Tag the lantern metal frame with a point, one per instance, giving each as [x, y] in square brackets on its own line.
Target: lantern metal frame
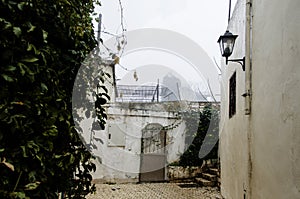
[226, 51]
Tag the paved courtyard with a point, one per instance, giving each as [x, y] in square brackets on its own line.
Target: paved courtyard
[153, 191]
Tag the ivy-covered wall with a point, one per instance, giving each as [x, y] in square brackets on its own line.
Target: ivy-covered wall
[202, 130]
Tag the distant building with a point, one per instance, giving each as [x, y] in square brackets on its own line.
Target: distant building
[143, 133]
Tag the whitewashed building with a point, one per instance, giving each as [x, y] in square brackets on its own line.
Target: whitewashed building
[260, 109]
[139, 139]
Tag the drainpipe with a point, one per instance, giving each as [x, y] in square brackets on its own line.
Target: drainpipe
[248, 89]
[248, 67]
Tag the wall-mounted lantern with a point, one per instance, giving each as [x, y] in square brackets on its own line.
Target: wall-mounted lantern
[226, 43]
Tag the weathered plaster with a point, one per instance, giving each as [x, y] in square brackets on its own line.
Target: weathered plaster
[233, 132]
[123, 163]
[274, 121]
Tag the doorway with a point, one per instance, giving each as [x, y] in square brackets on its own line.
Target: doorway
[153, 155]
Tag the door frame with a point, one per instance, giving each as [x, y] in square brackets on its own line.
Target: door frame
[164, 154]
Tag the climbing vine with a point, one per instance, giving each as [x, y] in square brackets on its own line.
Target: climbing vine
[174, 125]
[199, 125]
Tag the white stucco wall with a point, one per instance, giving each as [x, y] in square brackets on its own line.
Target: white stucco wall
[276, 94]
[267, 163]
[233, 131]
[122, 163]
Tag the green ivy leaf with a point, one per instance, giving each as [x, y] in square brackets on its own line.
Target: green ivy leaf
[12, 2]
[22, 71]
[7, 24]
[32, 186]
[72, 159]
[8, 165]
[10, 68]
[45, 35]
[19, 195]
[21, 5]
[44, 87]
[30, 47]
[31, 27]
[17, 31]
[7, 78]
[29, 59]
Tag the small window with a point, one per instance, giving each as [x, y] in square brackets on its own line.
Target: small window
[232, 95]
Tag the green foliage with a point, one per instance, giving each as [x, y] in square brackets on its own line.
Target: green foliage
[89, 96]
[199, 124]
[42, 45]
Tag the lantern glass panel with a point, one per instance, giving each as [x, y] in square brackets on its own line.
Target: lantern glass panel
[226, 43]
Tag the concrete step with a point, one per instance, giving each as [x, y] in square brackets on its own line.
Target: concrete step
[210, 177]
[188, 185]
[204, 182]
[214, 171]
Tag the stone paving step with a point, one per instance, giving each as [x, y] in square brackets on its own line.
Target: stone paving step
[205, 182]
[210, 177]
[188, 185]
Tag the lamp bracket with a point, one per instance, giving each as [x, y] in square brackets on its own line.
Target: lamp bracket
[240, 61]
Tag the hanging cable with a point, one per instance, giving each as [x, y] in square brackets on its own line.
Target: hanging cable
[229, 13]
[99, 29]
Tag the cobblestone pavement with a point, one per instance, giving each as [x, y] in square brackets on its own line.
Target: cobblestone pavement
[153, 191]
